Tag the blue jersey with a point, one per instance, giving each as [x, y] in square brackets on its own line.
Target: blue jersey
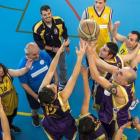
[37, 72]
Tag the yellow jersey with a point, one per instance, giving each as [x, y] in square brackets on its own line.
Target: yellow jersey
[8, 95]
[103, 21]
[123, 51]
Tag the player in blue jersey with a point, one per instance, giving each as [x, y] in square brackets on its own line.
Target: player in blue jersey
[32, 80]
[58, 121]
[89, 126]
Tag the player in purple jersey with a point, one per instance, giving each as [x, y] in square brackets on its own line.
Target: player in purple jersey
[117, 95]
[89, 126]
[128, 45]
[109, 53]
[58, 121]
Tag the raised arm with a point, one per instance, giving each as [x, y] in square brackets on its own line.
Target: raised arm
[85, 106]
[115, 33]
[135, 61]
[99, 62]
[4, 124]
[132, 55]
[120, 131]
[84, 15]
[110, 30]
[111, 88]
[22, 71]
[66, 92]
[52, 68]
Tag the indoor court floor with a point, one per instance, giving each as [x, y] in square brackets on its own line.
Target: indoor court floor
[16, 20]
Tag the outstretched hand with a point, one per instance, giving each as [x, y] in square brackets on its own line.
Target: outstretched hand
[126, 125]
[29, 63]
[81, 52]
[91, 48]
[65, 43]
[84, 71]
[116, 24]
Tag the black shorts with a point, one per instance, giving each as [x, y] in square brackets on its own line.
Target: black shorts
[34, 104]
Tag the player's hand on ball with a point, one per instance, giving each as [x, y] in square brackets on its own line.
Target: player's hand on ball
[91, 48]
[116, 24]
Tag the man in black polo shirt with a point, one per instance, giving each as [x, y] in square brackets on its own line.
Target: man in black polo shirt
[48, 34]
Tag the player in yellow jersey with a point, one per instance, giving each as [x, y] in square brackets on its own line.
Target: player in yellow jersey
[128, 46]
[103, 16]
[9, 98]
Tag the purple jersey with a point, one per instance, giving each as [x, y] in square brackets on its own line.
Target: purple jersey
[97, 90]
[58, 119]
[99, 132]
[110, 110]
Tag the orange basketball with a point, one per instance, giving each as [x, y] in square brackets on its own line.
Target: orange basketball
[88, 30]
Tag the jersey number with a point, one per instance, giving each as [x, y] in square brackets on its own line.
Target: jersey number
[50, 110]
[3, 89]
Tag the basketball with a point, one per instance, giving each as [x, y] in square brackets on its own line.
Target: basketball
[88, 30]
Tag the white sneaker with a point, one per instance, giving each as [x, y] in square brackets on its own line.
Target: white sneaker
[134, 104]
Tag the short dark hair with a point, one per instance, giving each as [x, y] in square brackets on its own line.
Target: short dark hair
[5, 70]
[113, 48]
[46, 95]
[136, 33]
[86, 127]
[45, 8]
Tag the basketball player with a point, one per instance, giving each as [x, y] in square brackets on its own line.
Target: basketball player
[109, 53]
[128, 46]
[9, 97]
[58, 121]
[103, 16]
[117, 95]
[89, 126]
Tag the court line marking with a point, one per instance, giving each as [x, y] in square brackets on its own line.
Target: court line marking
[17, 29]
[11, 8]
[41, 116]
[20, 21]
[73, 10]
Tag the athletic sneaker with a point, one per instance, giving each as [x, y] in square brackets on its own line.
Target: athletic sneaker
[15, 129]
[12, 137]
[35, 120]
[134, 104]
[62, 85]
